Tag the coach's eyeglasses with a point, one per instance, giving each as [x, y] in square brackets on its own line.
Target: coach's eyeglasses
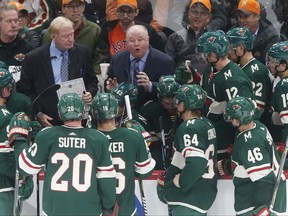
[199, 13]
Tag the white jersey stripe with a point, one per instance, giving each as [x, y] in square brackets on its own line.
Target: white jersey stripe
[27, 165]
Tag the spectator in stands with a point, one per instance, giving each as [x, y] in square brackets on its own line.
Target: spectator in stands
[140, 65]
[220, 19]
[85, 32]
[40, 14]
[113, 35]
[30, 36]
[95, 11]
[181, 44]
[45, 66]
[12, 47]
[264, 33]
[280, 8]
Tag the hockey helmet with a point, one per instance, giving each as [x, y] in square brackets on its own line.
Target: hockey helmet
[240, 35]
[192, 95]
[70, 107]
[213, 42]
[278, 53]
[6, 78]
[104, 106]
[240, 108]
[167, 87]
[123, 89]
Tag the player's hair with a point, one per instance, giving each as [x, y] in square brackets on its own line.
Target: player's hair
[59, 23]
[6, 7]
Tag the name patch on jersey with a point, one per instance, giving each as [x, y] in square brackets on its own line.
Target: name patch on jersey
[211, 134]
[116, 147]
[72, 142]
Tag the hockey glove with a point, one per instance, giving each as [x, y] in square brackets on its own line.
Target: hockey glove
[187, 74]
[139, 128]
[18, 128]
[280, 147]
[160, 186]
[35, 128]
[224, 168]
[26, 188]
[262, 211]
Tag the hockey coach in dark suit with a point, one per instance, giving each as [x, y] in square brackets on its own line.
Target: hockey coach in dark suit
[140, 64]
[54, 63]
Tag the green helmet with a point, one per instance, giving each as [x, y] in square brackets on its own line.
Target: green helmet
[104, 106]
[123, 89]
[167, 87]
[213, 42]
[70, 107]
[279, 52]
[240, 108]
[6, 79]
[240, 35]
[192, 95]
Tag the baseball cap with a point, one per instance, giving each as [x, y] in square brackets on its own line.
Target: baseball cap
[248, 6]
[18, 5]
[64, 2]
[130, 3]
[206, 3]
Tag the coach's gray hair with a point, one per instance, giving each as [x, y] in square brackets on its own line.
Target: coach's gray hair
[59, 23]
[6, 7]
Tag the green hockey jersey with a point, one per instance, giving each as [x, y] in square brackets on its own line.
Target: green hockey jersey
[131, 157]
[7, 161]
[195, 160]
[255, 164]
[261, 83]
[79, 174]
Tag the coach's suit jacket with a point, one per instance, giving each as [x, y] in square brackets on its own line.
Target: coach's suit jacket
[157, 65]
[37, 75]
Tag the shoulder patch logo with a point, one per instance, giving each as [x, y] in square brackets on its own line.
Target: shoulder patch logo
[2, 74]
[19, 57]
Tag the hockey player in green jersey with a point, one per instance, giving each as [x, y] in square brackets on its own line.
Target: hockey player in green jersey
[138, 121]
[222, 80]
[162, 110]
[241, 45]
[79, 174]
[255, 162]
[277, 61]
[190, 186]
[129, 151]
[7, 162]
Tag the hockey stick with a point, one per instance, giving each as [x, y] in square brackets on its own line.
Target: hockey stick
[17, 201]
[142, 194]
[164, 155]
[279, 174]
[51, 89]
[162, 133]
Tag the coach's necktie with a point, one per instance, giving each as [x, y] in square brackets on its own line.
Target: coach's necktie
[64, 67]
[136, 70]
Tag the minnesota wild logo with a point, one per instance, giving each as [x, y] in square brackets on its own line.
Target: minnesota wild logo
[2, 74]
[241, 32]
[236, 107]
[211, 39]
[19, 57]
[284, 48]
